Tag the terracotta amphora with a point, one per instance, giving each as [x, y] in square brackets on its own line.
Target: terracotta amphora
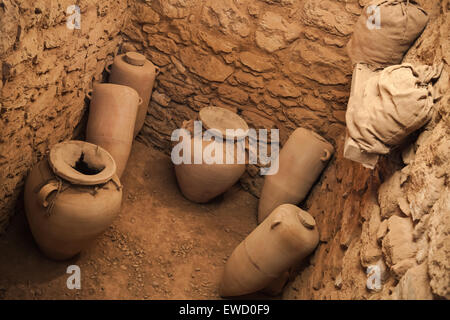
[134, 70]
[301, 160]
[281, 241]
[201, 182]
[71, 197]
[112, 115]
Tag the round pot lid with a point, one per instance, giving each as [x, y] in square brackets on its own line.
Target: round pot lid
[135, 58]
[306, 219]
[219, 120]
[82, 162]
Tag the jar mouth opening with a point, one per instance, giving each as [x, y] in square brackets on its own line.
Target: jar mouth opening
[82, 163]
[87, 168]
[218, 120]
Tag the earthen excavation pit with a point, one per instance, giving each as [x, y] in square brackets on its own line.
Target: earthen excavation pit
[278, 64]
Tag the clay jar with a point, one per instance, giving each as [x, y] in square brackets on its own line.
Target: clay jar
[301, 160]
[71, 198]
[287, 236]
[134, 70]
[112, 115]
[202, 182]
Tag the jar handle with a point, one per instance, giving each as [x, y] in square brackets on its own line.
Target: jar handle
[108, 67]
[326, 156]
[275, 224]
[247, 151]
[89, 94]
[115, 179]
[140, 101]
[45, 192]
[157, 70]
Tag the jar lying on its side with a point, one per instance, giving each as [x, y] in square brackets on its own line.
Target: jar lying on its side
[281, 241]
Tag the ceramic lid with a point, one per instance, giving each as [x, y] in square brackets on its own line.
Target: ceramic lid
[220, 119]
[82, 162]
[135, 58]
[306, 219]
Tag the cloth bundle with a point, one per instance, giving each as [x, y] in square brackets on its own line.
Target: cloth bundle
[385, 107]
[385, 31]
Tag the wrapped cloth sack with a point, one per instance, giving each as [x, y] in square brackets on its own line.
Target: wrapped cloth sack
[385, 31]
[385, 107]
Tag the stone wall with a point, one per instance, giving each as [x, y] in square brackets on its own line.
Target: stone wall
[402, 226]
[282, 64]
[45, 72]
[279, 64]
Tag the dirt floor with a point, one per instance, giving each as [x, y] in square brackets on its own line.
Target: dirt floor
[162, 246]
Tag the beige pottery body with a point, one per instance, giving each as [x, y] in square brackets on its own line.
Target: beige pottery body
[65, 217]
[203, 182]
[112, 116]
[301, 160]
[281, 241]
[133, 70]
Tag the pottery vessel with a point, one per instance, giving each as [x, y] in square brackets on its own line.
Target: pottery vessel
[281, 241]
[112, 116]
[71, 197]
[276, 287]
[134, 70]
[301, 160]
[201, 182]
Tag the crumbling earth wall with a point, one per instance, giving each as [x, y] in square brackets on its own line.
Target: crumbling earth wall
[45, 71]
[279, 64]
[400, 228]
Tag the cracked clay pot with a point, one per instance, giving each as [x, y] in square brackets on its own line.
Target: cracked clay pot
[71, 197]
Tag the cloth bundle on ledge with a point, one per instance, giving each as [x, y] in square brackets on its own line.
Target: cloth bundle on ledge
[385, 106]
[385, 31]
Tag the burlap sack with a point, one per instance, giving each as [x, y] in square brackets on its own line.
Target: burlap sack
[382, 37]
[385, 107]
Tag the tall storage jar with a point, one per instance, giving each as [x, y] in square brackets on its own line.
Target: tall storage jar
[284, 239]
[301, 160]
[112, 116]
[134, 70]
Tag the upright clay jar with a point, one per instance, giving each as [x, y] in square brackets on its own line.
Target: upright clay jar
[71, 198]
[287, 236]
[301, 160]
[201, 182]
[112, 116]
[134, 70]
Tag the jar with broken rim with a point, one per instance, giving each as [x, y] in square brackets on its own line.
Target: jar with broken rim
[71, 197]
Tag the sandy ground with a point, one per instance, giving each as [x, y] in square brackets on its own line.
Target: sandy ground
[162, 246]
